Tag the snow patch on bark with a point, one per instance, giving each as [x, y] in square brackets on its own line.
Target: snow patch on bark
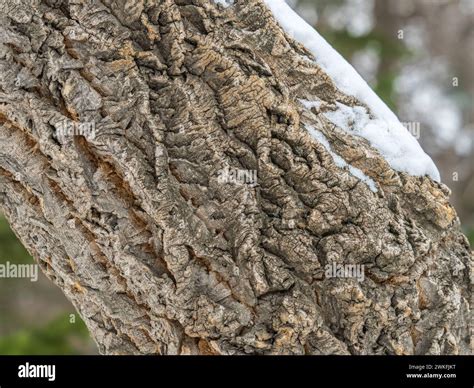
[339, 161]
[224, 3]
[390, 138]
[381, 128]
[310, 104]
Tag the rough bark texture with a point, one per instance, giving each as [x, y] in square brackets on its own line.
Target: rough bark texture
[156, 253]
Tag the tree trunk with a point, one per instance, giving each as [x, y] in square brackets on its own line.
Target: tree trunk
[152, 224]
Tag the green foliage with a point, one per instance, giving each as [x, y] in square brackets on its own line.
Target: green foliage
[58, 337]
[10, 248]
[347, 45]
[470, 235]
[390, 50]
[385, 88]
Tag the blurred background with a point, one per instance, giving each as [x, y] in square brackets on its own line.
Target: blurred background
[35, 317]
[418, 55]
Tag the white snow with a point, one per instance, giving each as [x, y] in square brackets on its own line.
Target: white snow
[224, 3]
[391, 138]
[310, 104]
[339, 161]
[382, 128]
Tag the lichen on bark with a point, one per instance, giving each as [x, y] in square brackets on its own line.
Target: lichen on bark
[157, 253]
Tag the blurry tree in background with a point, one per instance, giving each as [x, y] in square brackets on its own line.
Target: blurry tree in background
[418, 55]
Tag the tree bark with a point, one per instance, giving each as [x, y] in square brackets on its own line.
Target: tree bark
[161, 256]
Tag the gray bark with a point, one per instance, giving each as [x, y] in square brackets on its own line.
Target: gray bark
[160, 256]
